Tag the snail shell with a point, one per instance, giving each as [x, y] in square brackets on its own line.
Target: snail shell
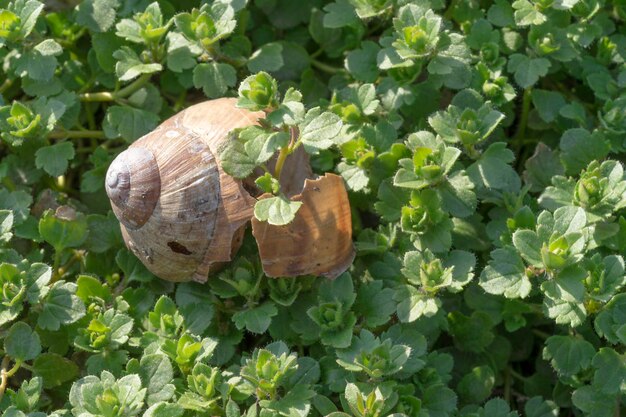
[180, 214]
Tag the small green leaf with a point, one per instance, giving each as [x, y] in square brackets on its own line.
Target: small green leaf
[129, 66]
[22, 343]
[54, 159]
[54, 369]
[97, 15]
[526, 70]
[568, 355]
[128, 123]
[61, 306]
[320, 129]
[256, 319]
[214, 78]
[64, 228]
[277, 211]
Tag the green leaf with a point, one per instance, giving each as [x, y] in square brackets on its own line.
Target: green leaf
[413, 304]
[458, 196]
[63, 229]
[129, 66]
[54, 369]
[541, 167]
[214, 78]
[579, 147]
[277, 211]
[526, 13]
[538, 407]
[256, 319]
[505, 274]
[181, 53]
[439, 401]
[609, 323]
[267, 58]
[61, 306]
[471, 333]
[156, 373]
[22, 343]
[321, 129]
[6, 225]
[253, 147]
[374, 304]
[54, 159]
[97, 15]
[610, 371]
[594, 403]
[476, 386]
[526, 70]
[528, 243]
[548, 104]
[493, 171]
[133, 269]
[164, 410]
[128, 123]
[568, 355]
[361, 63]
[339, 14]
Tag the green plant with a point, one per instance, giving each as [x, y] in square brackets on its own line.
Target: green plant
[482, 147]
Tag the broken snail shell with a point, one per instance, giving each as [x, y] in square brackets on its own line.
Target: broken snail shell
[183, 216]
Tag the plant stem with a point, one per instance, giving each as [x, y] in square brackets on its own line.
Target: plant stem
[542, 335]
[134, 86]
[518, 138]
[5, 375]
[76, 134]
[102, 96]
[325, 67]
[5, 85]
[285, 152]
[517, 375]
[55, 266]
[507, 385]
[280, 161]
[119, 94]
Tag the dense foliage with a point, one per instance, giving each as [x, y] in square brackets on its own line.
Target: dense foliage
[481, 144]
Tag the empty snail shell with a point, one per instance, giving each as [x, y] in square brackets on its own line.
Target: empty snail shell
[179, 212]
[182, 215]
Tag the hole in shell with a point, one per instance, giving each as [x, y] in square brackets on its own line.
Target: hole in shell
[178, 248]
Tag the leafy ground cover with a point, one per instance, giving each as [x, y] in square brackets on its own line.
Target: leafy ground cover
[481, 144]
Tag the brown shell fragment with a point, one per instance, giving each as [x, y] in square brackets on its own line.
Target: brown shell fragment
[318, 241]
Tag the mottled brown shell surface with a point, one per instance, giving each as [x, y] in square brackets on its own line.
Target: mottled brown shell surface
[318, 241]
[195, 220]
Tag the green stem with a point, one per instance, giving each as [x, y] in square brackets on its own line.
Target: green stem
[517, 375]
[285, 152]
[280, 161]
[93, 97]
[119, 94]
[134, 86]
[518, 138]
[5, 375]
[325, 67]
[507, 385]
[5, 85]
[55, 266]
[77, 134]
[542, 335]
